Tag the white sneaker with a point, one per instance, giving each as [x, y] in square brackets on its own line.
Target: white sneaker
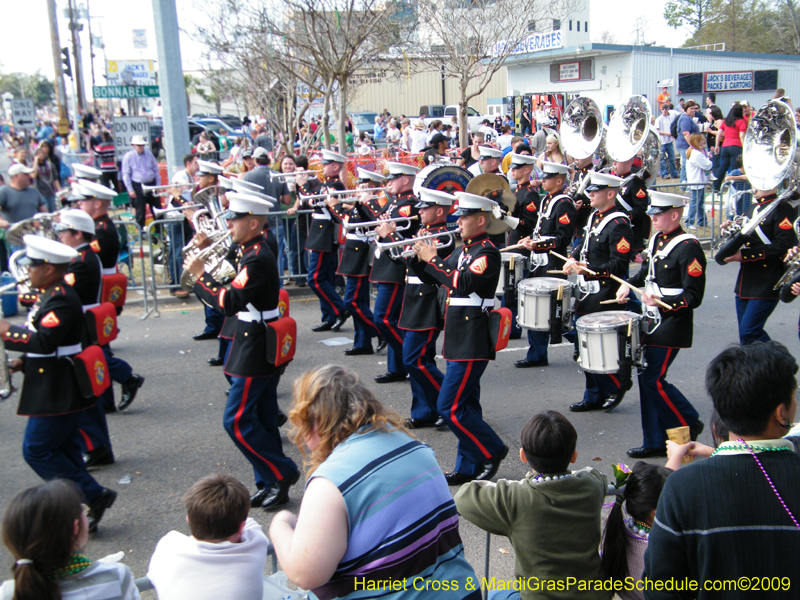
[692, 227]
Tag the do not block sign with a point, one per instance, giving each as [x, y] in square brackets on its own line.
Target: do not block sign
[124, 130]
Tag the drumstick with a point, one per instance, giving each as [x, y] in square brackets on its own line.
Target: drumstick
[514, 247]
[565, 259]
[638, 291]
[612, 301]
[556, 271]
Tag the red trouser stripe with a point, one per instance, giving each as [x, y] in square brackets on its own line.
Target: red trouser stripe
[663, 393]
[616, 381]
[392, 330]
[238, 431]
[422, 367]
[357, 308]
[87, 440]
[455, 406]
[318, 290]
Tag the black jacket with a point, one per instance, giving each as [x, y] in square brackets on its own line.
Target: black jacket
[420, 310]
[684, 268]
[51, 386]
[472, 269]
[355, 257]
[558, 221]
[635, 195]
[527, 211]
[256, 285]
[106, 242]
[321, 228]
[384, 269]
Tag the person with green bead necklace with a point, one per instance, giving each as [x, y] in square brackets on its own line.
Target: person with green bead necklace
[46, 529]
[736, 516]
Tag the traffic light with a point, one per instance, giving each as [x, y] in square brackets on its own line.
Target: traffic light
[66, 67]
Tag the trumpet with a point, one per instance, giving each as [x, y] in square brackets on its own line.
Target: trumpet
[159, 213]
[286, 176]
[323, 197]
[367, 228]
[395, 248]
[158, 189]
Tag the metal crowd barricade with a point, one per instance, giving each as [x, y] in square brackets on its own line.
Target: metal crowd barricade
[166, 238]
[292, 240]
[729, 188]
[714, 218]
[129, 235]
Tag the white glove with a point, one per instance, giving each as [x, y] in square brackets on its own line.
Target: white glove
[498, 212]
[512, 221]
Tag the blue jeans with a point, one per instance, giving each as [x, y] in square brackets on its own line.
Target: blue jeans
[668, 158]
[296, 240]
[251, 420]
[752, 315]
[727, 162]
[682, 152]
[697, 211]
[176, 244]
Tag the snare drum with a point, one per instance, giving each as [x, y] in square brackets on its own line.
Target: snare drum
[538, 304]
[607, 338]
[542, 258]
[513, 266]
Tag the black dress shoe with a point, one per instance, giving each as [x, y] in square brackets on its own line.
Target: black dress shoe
[215, 362]
[489, 467]
[109, 407]
[584, 407]
[456, 478]
[642, 452]
[695, 429]
[358, 351]
[381, 343]
[129, 389]
[324, 326]
[340, 320]
[99, 457]
[526, 364]
[441, 424]
[614, 400]
[258, 497]
[227, 392]
[205, 335]
[282, 418]
[278, 493]
[413, 423]
[390, 377]
[98, 507]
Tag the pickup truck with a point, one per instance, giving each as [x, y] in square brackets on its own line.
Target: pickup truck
[444, 113]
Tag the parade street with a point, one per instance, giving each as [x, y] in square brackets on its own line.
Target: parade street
[172, 434]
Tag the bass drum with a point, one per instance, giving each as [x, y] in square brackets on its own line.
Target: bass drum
[443, 178]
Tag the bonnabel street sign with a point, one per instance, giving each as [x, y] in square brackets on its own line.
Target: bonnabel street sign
[125, 91]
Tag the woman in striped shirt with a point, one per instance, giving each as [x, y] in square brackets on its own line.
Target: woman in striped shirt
[378, 519]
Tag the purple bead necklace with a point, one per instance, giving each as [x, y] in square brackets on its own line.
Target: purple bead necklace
[769, 480]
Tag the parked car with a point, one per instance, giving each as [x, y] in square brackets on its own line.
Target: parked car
[217, 125]
[445, 113]
[362, 121]
[195, 128]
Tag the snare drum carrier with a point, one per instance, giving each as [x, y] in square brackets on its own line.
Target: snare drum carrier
[585, 287]
[541, 259]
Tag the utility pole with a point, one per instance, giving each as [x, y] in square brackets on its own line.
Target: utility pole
[91, 44]
[61, 90]
[170, 83]
[75, 27]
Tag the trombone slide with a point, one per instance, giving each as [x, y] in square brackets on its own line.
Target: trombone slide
[150, 189]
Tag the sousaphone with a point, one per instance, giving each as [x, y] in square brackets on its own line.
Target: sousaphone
[498, 189]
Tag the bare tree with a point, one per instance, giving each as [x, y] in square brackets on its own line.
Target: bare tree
[606, 37]
[470, 40]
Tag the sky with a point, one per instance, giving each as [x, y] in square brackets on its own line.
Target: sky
[22, 51]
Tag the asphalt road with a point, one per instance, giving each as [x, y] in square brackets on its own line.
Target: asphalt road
[172, 434]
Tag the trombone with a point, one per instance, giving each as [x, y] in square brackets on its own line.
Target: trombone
[159, 213]
[395, 248]
[160, 189]
[367, 228]
[285, 176]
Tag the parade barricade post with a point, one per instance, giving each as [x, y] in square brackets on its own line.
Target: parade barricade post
[130, 232]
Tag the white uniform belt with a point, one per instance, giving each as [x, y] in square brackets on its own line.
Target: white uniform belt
[61, 351]
[321, 216]
[110, 271]
[90, 306]
[472, 300]
[413, 280]
[253, 315]
[671, 291]
[359, 238]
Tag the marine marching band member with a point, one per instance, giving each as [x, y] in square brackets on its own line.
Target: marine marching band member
[95, 201]
[355, 263]
[470, 275]
[251, 413]
[556, 220]
[675, 272]
[321, 243]
[606, 249]
[762, 266]
[633, 199]
[420, 317]
[490, 161]
[51, 397]
[389, 275]
[85, 274]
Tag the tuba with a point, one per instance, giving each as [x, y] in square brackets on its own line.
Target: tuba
[629, 129]
[39, 224]
[582, 129]
[770, 157]
[214, 257]
[208, 219]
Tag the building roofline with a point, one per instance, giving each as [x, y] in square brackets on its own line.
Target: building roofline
[587, 48]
